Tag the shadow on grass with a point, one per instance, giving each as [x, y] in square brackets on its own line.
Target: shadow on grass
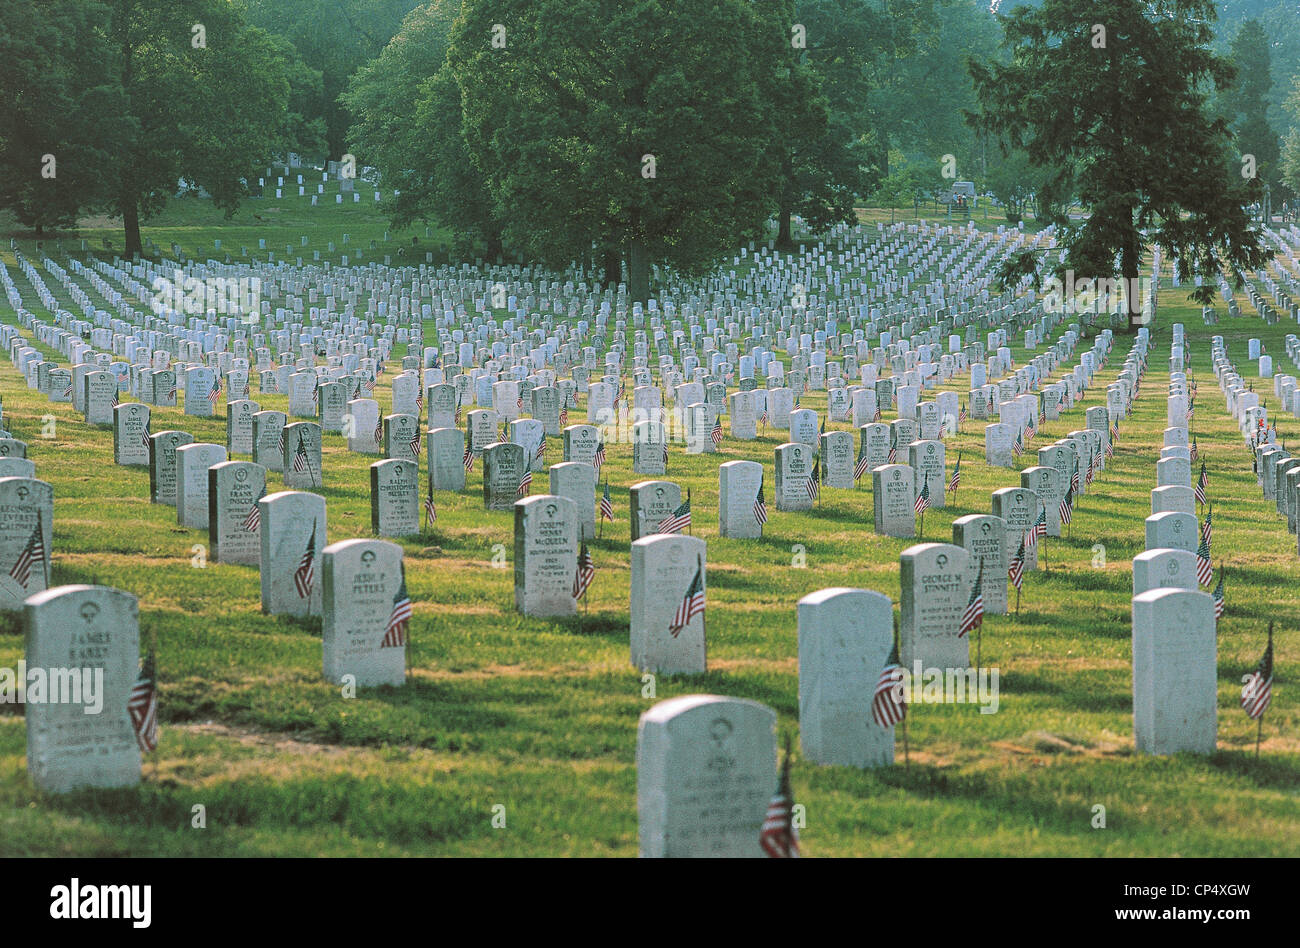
[310, 624]
[1082, 691]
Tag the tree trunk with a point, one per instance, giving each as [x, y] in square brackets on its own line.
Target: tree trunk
[131, 226]
[1130, 269]
[784, 241]
[638, 271]
[492, 237]
[613, 265]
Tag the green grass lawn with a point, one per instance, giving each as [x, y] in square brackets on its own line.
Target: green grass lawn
[540, 716]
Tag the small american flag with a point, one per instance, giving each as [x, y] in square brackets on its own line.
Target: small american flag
[540, 454]
[564, 415]
[779, 838]
[300, 461]
[973, 617]
[142, 706]
[1074, 476]
[716, 434]
[692, 603]
[1110, 449]
[457, 421]
[519, 403]
[955, 481]
[468, 459]
[762, 419]
[760, 504]
[585, 574]
[860, 469]
[1067, 507]
[1040, 525]
[305, 575]
[814, 485]
[419, 404]
[116, 398]
[67, 392]
[1016, 571]
[1202, 482]
[430, 509]
[171, 392]
[1092, 469]
[1195, 451]
[877, 415]
[1030, 430]
[1257, 691]
[599, 460]
[923, 498]
[1017, 446]
[665, 454]
[888, 707]
[607, 505]
[279, 442]
[369, 384]
[315, 393]
[1219, 600]
[677, 520]
[144, 438]
[379, 432]
[33, 555]
[525, 484]
[215, 393]
[253, 522]
[962, 416]
[893, 454]
[415, 444]
[1204, 569]
[399, 619]
[1114, 431]
[1191, 409]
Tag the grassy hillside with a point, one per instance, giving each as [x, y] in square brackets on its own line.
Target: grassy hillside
[540, 716]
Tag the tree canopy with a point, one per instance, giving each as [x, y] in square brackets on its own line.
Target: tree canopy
[1111, 99]
[643, 126]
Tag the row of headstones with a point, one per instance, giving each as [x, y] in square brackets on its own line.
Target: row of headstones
[357, 588]
[936, 577]
[706, 764]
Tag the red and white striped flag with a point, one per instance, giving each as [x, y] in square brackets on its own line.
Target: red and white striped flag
[692, 603]
[1257, 687]
[585, 574]
[142, 706]
[253, 522]
[399, 619]
[304, 577]
[887, 705]
[779, 838]
[32, 555]
[973, 617]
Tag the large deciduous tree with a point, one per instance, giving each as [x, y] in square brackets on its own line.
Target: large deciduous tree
[407, 113]
[1245, 102]
[130, 96]
[1112, 96]
[61, 112]
[642, 126]
[336, 38]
